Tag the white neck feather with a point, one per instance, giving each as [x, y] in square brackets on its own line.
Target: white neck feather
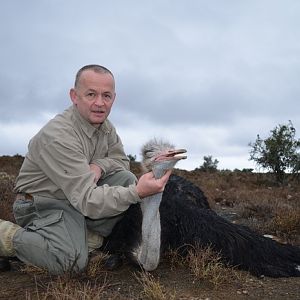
[148, 253]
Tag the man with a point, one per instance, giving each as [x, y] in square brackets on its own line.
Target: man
[74, 183]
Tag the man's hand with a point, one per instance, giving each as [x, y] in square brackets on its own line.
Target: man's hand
[97, 171]
[148, 185]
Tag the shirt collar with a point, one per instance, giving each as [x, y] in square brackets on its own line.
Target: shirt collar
[89, 129]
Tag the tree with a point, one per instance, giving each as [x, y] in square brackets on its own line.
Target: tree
[131, 157]
[209, 165]
[279, 152]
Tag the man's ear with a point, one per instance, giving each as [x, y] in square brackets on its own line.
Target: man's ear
[73, 96]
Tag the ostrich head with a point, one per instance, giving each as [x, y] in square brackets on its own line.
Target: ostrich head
[159, 155]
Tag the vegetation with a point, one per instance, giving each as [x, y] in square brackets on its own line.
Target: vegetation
[209, 165]
[205, 265]
[244, 197]
[279, 152]
[131, 157]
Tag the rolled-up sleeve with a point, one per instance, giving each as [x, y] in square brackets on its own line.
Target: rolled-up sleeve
[67, 166]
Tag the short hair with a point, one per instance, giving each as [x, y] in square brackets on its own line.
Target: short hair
[95, 68]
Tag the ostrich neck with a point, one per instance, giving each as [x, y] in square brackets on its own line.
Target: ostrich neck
[149, 252]
[150, 247]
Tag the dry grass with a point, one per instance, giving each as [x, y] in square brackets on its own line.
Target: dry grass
[33, 270]
[11, 164]
[7, 196]
[205, 265]
[9, 168]
[175, 259]
[152, 288]
[259, 204]
[286, 225]
[95, 267]
[93, 284]
[65, 288]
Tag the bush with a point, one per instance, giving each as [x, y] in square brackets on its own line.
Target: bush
[209, 165]
[279, 152]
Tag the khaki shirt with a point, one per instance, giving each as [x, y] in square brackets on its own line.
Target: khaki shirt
[57, 165]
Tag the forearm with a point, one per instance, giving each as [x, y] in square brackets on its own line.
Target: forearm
[109, 165]
[104, 201]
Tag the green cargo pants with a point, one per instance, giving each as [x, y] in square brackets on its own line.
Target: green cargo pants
[54, 234]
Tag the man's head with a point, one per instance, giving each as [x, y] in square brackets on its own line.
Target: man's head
[94, 93]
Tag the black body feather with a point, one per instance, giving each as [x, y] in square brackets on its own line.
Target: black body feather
[186, 219]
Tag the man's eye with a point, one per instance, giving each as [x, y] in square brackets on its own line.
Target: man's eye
[107, 96]
[91, 95]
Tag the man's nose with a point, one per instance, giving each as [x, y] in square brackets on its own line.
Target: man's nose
[99, 100]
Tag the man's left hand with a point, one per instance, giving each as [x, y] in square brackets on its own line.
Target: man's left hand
[97, 171]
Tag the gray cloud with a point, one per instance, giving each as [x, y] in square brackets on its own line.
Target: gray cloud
[208, 75]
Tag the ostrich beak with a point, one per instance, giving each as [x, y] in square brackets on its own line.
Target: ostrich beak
[176, 154]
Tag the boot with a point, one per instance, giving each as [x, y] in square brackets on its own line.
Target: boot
[4, 264]
[7, 231]
[95, 240]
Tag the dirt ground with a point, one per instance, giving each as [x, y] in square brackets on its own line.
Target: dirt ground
[176, 281]
[122, 284]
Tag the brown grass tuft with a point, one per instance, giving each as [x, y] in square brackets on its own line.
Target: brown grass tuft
[175, 259]
[286, 224]
[66, 289]
[151, 288]
[33, 270]
[206, 264]
[7, 196]
[95, 265]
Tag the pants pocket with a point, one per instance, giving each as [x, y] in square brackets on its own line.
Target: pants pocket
[56, 235]
[46, 221]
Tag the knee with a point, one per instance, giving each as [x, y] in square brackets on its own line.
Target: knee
[68, 263]
[123, 178]
[129, 178]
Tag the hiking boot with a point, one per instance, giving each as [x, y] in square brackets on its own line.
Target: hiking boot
[4, 264]
[7, 231]
[95, 240]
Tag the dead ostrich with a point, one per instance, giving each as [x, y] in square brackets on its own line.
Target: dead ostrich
[180, 217]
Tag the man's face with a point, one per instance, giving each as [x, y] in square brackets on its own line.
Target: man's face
[94, 96]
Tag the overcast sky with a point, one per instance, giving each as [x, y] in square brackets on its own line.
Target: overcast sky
[206, 75]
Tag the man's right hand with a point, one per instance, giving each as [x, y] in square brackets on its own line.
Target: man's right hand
[148, 185]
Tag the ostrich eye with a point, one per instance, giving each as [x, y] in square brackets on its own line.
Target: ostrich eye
[148, 153]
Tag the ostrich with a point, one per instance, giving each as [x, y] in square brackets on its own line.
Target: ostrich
[180, 217]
